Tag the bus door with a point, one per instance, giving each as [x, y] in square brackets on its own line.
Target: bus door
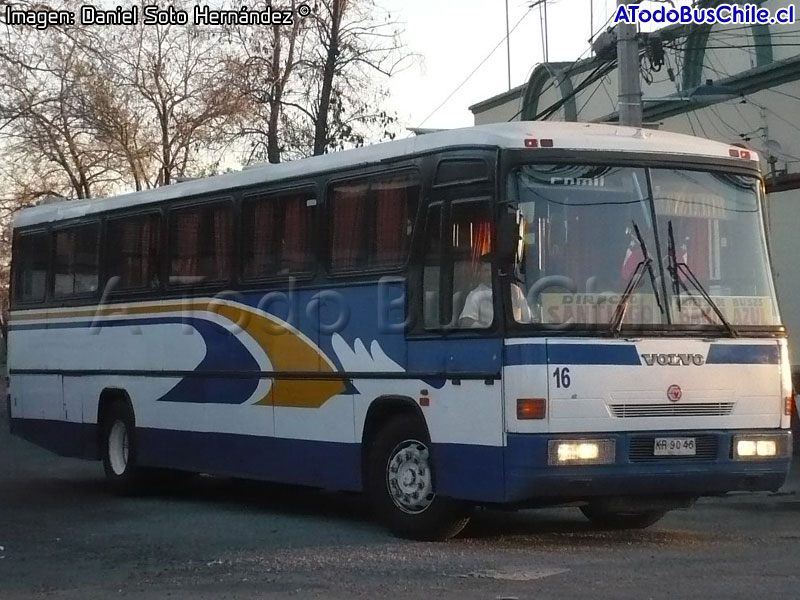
[455, 345]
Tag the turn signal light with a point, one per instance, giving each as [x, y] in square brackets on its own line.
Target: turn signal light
[789, 405]
[531, 408]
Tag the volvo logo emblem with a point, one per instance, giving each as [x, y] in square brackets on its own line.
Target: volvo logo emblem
[673, 360]
[674, 393]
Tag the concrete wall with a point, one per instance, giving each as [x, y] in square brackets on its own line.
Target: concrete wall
[502, 113]
[783, 216]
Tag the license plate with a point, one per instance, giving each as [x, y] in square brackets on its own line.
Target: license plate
[674, 447]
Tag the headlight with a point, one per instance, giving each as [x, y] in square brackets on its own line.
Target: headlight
[749, 447]
[581, 452]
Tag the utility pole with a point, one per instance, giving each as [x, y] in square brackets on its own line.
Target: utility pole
[629, 105]
[508, 47]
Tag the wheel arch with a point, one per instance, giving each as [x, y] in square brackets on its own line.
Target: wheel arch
[108, 397]
[382, 410]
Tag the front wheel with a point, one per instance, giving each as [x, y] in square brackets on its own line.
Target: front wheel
[401, 485]
[607, 519]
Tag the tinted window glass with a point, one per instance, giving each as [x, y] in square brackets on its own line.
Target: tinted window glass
[31, 253]
[200, 244]
[371, 222]
[132, 251]
[277, 235]
[471, 229]
[75, 265]
[457, 275]
[431, 272]
[461, 171]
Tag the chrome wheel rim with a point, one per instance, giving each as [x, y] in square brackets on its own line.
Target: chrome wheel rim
[118, 447]
[408, 477]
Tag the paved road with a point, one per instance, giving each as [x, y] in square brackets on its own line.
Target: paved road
[63, 536]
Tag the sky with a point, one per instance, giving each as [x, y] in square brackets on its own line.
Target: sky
[452, 37]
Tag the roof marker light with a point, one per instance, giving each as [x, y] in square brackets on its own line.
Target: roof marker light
[531, 143]
[546, 143]
[745, 154]
[734, 152]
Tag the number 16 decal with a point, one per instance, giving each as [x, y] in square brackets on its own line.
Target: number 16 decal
[563, 380]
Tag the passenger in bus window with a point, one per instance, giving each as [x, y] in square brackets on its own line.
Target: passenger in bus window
[478, 311]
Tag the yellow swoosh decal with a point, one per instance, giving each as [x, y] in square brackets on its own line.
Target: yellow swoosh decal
[288, 350]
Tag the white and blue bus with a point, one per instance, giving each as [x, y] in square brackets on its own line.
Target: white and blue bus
[517, 315]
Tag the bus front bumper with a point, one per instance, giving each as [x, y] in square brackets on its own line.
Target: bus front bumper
[635, 471]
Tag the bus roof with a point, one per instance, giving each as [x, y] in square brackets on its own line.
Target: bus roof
[570, 136]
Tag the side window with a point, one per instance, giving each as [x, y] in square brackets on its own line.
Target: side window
[277, 235]
[200, 244]
[75, 260]
[457, 274]
[31, 258]
[471, 257]
[371, 221]
[133, 250]
[431, 274]
[460, 171]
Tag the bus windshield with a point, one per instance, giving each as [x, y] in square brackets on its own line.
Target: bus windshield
[640, 248]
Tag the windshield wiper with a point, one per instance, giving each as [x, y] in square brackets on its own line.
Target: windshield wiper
[675, 268]
[633, 283]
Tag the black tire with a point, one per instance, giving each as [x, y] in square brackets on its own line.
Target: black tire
[403, 445]
[606, 519]
[118, 447]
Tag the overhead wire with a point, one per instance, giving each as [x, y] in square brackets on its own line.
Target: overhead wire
[480, 64]
[566, 72]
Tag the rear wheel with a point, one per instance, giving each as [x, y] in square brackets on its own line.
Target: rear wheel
[119, 449]
[608, 519]
[401, 485]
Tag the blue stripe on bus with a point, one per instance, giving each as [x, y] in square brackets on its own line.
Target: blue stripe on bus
[573, 354]
[526, 354]
[466, 471]
[224, 352]
[743, 354]
[593, 354]
[515, 473]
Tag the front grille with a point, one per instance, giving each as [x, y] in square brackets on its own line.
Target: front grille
[641, 448]
[697, 409]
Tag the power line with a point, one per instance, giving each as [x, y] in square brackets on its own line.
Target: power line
[475, 70]
[605, 89]
[596, 89]
[713, 68]
[691, 125]
[736, 46]
[772, 112]
[600, 72]
[768, 89]
[568, 71]
[780, 93]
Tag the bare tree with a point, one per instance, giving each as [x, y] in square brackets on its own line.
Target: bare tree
[270, 59]
[355, 45]
[39, 118]
[172, 95]
[317, 85]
